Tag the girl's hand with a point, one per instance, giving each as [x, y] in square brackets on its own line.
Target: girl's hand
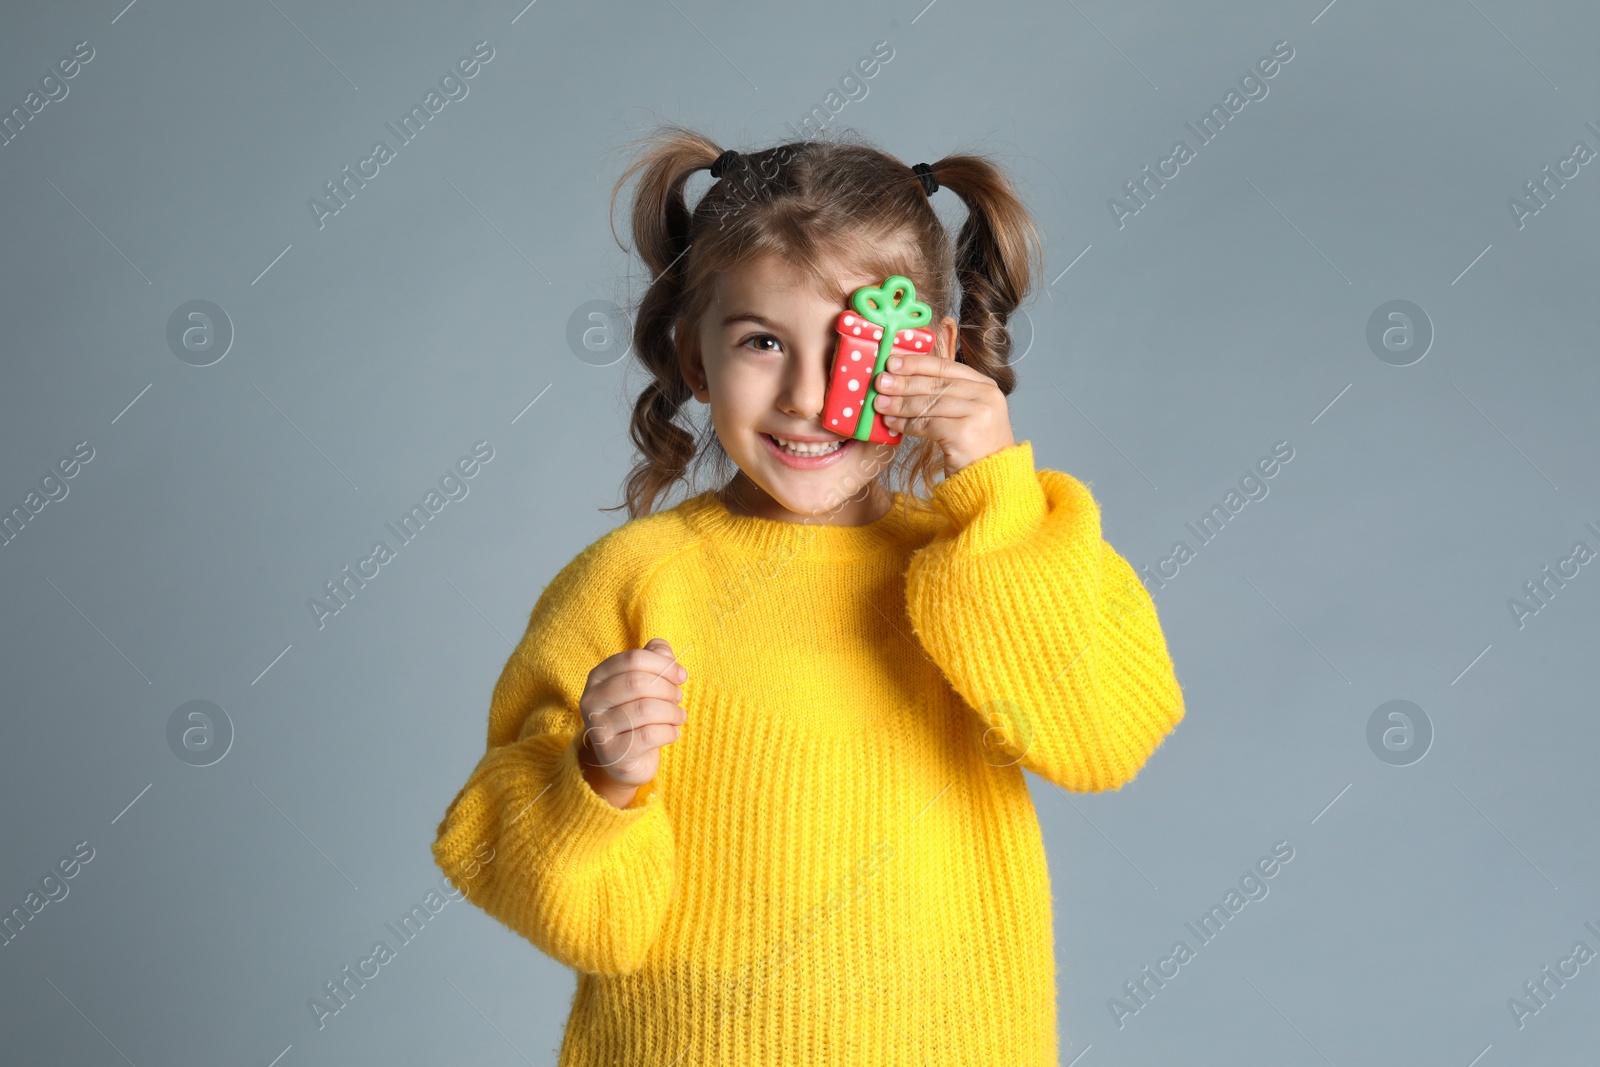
[934, 396]
[630, 710]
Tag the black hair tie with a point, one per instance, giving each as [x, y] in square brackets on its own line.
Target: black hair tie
[723, 162]
[930, 184]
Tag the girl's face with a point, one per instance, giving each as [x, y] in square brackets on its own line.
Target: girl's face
[761, 360]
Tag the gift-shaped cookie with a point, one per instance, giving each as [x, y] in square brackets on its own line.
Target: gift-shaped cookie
[883, 320]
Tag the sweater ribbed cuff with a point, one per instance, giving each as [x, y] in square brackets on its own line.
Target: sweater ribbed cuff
[585, 814]
[997, 501]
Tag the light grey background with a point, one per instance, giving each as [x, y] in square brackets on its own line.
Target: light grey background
[1229, 314]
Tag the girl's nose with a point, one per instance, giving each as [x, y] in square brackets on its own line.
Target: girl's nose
[805, 388]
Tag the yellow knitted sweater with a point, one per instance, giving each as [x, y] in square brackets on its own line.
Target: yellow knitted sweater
[838, 861]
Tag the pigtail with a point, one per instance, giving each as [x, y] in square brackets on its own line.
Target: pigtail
[998, 254]
[661, 225]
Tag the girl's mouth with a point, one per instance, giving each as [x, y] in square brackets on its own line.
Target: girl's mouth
[808, 462]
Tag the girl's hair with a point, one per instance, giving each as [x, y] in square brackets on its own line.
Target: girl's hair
[811, 202]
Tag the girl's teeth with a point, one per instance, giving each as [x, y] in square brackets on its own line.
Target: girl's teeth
[807, 448]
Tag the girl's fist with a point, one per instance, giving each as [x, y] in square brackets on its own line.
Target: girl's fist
[630, 710]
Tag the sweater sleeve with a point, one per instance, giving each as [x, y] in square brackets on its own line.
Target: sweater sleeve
[527, 839]
[1042, 628]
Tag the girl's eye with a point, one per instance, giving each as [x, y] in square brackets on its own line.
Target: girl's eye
[758, 338]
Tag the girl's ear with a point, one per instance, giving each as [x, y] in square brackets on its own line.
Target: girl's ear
[944, 339]
[690, 364]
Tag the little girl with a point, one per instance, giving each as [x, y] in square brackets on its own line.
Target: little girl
[754, 770]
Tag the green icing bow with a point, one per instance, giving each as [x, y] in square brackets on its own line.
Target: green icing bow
[895, 307]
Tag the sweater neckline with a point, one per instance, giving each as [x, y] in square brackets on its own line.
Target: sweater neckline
[709, 516]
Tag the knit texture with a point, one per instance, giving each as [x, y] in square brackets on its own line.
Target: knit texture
[838, 861]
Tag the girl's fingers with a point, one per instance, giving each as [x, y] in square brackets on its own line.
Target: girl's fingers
[913, 408]
[607, 693]
[631, 713]
[922, 364]
[651, 737]
[895, 384]
[637, 746]
[660, 663]
[938, 427]
[648, 660]
[615, 750]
